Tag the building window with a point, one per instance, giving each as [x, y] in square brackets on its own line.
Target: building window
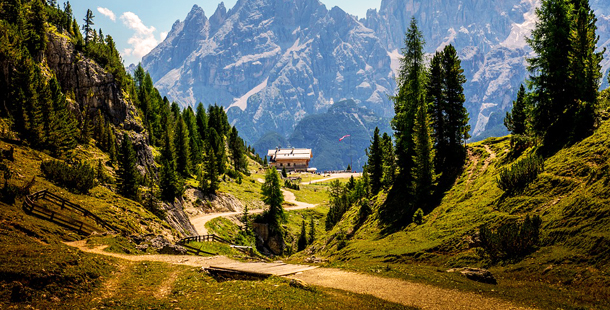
[288, 164]
[281, 164]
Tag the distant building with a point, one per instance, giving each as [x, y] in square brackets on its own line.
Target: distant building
[292, 159]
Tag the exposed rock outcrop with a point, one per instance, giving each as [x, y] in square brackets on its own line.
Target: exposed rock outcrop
[476, 274]
[177, 218]
[96, 89]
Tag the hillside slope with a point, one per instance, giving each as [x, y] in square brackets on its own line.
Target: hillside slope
[569, 267]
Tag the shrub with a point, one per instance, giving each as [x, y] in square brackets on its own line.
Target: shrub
[418, 216]
[511, 240]
[517, 177]
[79, 177]
[291, 185]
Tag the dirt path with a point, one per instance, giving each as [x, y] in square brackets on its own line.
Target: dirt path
[200, 220]
[335, 176]
[402, 292]
[394, 290]
[492, 156]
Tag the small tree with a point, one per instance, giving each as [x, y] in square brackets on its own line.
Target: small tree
[272, 196]
[312, 230]
[302, 243]
[88, 26]
[284, 173]
[127, 173]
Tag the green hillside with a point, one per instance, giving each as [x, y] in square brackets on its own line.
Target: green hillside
[569, 267]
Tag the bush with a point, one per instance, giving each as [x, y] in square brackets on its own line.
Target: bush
[418, 216]
[79, 177]
[294, 186]
[511, 240]
[517, 177]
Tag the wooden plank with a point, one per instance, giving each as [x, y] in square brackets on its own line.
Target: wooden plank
[277, 269]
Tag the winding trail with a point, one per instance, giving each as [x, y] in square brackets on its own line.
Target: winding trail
[199, 221]
[394, 290]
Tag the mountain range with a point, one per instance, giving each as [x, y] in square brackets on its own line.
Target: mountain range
[271, 63]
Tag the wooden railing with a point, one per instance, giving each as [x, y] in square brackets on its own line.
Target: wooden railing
[30, 205]
[203, 238]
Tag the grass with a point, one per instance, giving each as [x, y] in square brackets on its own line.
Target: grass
[216, 248]
[313, 194]
[147, 285]
[570, 269]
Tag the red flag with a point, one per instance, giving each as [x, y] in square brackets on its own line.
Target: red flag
[344, 137]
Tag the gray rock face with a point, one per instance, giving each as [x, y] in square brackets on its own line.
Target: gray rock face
[272, 62]
[76, 72]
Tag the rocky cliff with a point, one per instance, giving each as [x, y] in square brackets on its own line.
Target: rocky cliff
[95, 89]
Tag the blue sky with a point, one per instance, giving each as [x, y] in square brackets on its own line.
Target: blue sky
[137, 26]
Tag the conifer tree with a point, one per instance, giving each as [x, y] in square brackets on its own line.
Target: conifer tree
[87, 27]
[312, 230]
[112, 151]
[273, 197]
[552, 91]
[424, 177]
[218, 145]
[36, 34]
[183, 149]
[375, 163]
[410, 86]
[195, 141]
[302, 243]
[202, 121]
[211, 174]
[515, 121]
[436, 95]
[127, 174]
[236, 146]
[585, 65]
[389, 161]
[62, 139]
[169, 182]
[457, 127]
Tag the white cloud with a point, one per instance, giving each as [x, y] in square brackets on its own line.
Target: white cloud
[143, 40]
[163, 35]
[107, 12]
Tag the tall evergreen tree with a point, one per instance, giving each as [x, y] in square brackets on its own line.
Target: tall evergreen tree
[127, 174]
[552, 91]
[183, 149]
[424, 176]
[236, 146]
[195, 141]
[218, 145]
[375, 163]
[202, 121]
[273, 197]
[457, 127]
[62, 139]
[36, 34]
[585, 65]
[438, 107]
[410, 86]
[88, 26]
[515, 121]
[169, 182]
[209, 180]
[389, 162]
[312, 230]
[302, 242]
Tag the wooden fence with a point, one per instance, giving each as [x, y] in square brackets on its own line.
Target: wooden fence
[203, 238]
[30, 205]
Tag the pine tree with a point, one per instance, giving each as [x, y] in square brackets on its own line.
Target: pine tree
[375, 163]
[457, 127]
[218, 145]
[312, 230]
[195, 141]
[112, 152]
[585, 67]
[36, 34]
[87, 27]
[302, 243]
[389, 161]
[183, 149]
[410, 86]
[438, 102]
[210, 178]
[236, 146]
[202, 121]
[552, 91]
[424, 177]
[127, 174]
[169, 181]
[515, 121]
[62, 139]
[273, 197]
